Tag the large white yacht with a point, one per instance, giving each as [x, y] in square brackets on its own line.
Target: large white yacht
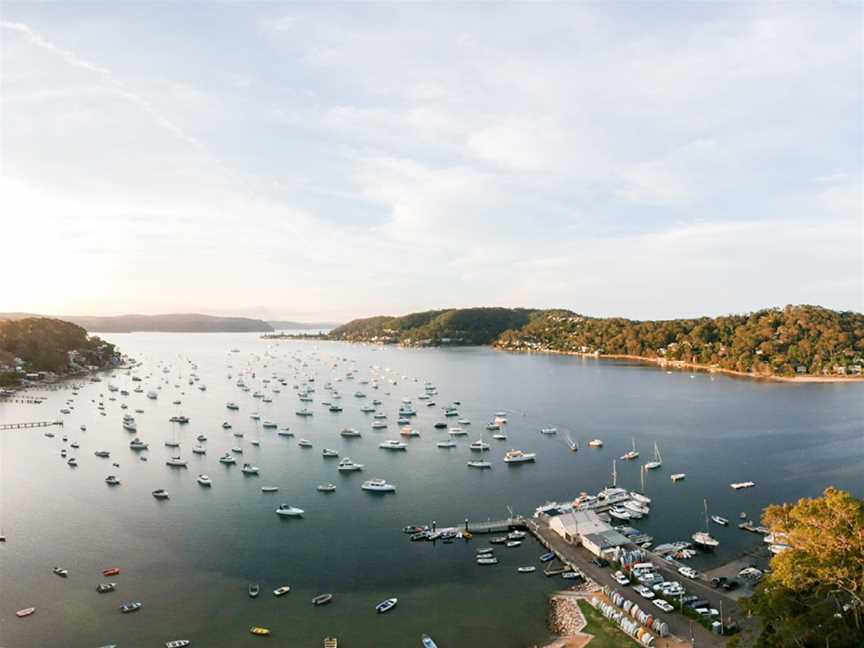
[346, 465]
[517, 456]
[391, 444]
[378, 486]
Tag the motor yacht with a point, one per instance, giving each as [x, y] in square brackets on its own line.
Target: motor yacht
[378, 486]
[391, 444]
[479, 446]
[326, 488]
[346, 465]
[204, 480]
[138, 444]
[285, 510]
[517, 456]
[249, 469]
[327, 452]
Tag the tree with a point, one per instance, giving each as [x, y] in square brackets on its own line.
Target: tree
[813, 594]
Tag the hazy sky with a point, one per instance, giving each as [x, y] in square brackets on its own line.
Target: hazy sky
[330, 161]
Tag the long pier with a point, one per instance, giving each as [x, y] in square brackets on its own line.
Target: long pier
[494, 526]
[30, 424]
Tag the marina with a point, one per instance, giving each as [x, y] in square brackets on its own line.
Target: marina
[190, 539]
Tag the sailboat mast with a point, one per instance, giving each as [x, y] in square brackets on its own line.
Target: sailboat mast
[707, 530]
[642, 477]
[614, 474]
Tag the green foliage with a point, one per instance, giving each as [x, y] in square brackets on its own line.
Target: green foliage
[45, 344]
[767, 342]
[813, 594]
[452, 326]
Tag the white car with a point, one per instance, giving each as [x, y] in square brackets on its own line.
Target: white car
[689, 572]
[644, 592]
[663, 605]
[620, 578]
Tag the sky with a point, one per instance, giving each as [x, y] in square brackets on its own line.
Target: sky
[330, 161]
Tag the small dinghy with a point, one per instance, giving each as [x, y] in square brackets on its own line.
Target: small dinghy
[526, 570]
[327, 488]
[269, 489]
[25, 612]
[63, 573]
[322, 599]
[281, 591]
[386, 606]
[111, 571]
[104, 588]
[254, 590]
[428, 642]
[131, 607]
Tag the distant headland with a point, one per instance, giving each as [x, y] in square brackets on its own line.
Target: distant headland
[794, 343]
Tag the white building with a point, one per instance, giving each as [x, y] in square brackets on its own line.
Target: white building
[572, 526]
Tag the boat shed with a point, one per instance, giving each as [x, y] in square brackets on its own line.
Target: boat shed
[603, 543]
[575, 525]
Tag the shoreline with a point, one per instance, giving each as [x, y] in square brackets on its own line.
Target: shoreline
[680, 364]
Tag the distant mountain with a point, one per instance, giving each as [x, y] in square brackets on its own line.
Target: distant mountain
[283, 325]
[794, 341]
[173, 323]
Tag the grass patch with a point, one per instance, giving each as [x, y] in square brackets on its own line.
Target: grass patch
[606, 634]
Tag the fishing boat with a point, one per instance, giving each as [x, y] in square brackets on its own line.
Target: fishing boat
[386, 606]
[284, 510]
[428, 642]
[259, 631]
[254, 590]
[703, 539]
[133, 606]
[657, 461]
[281, 591]
[322, 599]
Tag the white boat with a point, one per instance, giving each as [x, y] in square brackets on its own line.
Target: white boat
[378, 425]
[249, 469]
[499, 436]
[284, 510]
[176, 462]
[227, 458]
[620, 513]
[464, 421]
[304, 443]
[479, 464]
[346, 465]
[326, 488]
[204, 480]
[269, 489]
[391, 444]
[657, 461]
[677, 476]
[517, 456]
[631, 454]
[549, 431]
[386, 606]
[456, 431]
[327, 452]
[350, 433]
[720, 520]
[160, 493]
[479, 446]
[703, 539]
[446, 444]
[200, 450]
[281, 591]
[595, 443]
[526, 570]
[378, 486]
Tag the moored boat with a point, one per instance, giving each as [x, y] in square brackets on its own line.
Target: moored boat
[322, 599]
[386, 606]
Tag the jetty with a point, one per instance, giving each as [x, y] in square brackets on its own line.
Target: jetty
[30, 424]
[495, 526]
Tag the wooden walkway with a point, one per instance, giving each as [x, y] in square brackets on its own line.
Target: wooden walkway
[31, 424]
[495, 526]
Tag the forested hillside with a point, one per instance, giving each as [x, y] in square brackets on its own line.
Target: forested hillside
[795, 340]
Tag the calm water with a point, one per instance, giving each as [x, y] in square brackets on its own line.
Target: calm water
[189, 559]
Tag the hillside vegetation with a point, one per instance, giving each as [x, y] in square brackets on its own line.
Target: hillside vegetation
[45, 344]
[435, 327]
[795, 340]
[170, 323]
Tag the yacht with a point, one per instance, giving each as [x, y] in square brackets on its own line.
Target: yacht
[479, 464]
[720, 520]
[304, 443]
[281, 591]
[137, 444]
[526, 570]
[464, 421]
[269, 489]
[703, 539]
[631, 454]
[499, 436]
[176, 462]
[620, 513]
[378, 486]
[249, 469]
[446, 444]
[457, 431]
[595, 443]
[327, 452]
[204, 480]
[517, 456]
[326, 488]
[104, 588]
[227, 458]
[284, 510]
[237, 450]
[657, 461]
[479, 446]
[346, 465]
[378, 425]
[740, 485]
[349, 433]
[391, 444]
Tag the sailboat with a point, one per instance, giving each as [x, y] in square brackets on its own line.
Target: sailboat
[632, 454]
[703, 539]
[658, 460]
[640, 496]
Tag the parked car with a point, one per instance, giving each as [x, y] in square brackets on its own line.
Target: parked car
[663, 605]
[620, 578]
[644, 592]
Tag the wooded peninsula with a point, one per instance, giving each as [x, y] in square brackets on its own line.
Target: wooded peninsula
[795, 342]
